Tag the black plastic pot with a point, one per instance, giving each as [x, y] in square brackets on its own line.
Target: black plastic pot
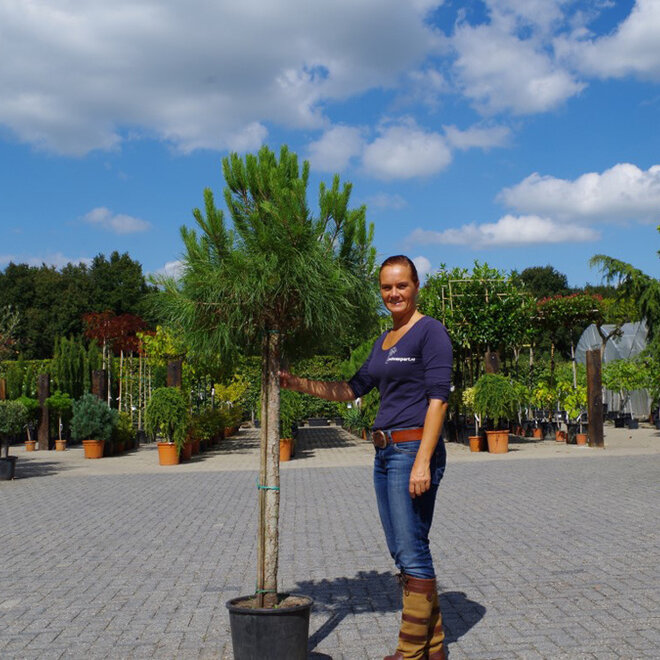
[269, 634]
[619, 422]
[317, 421]
[7, 468]
[633, 424]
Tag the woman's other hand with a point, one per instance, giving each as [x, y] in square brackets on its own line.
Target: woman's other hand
[286, 379]
[420, 479]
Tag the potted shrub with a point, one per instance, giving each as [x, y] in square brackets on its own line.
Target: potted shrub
[13, 417]
[167, 415]
[477, 441]
[495, 399]
[574, 400]
[92, 422]
[625, 376]
[33, 409]
[123, 434]
[61, 405]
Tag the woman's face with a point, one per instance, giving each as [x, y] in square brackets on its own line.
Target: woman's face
[398, 290]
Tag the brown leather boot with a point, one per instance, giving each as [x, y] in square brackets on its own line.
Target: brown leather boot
[436, 643]
[415, 618]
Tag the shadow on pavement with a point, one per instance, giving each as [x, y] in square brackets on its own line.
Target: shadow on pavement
[237, 444]
[371, 591]
[309, 440]
[36, 468]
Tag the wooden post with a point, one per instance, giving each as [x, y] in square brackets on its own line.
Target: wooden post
[492, 362]
[174, 373]
[3, 389]
[595, 399]
[43, 389]
[99, 384]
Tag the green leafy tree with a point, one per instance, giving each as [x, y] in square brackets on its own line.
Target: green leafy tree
[61, 404]
[32, 410]
[167, 415]
[282, 282]
[13, 417]
[543, 281]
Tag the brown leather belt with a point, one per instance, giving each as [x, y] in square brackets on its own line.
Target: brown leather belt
[382, 438]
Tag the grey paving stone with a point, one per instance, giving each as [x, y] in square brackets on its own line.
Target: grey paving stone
[553, 556]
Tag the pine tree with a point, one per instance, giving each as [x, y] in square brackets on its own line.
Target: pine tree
[281, 281]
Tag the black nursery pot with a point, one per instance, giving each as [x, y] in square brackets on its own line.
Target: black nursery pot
[269, 634]
[7, 468]
[633, 423]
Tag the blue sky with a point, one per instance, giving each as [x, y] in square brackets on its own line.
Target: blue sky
[517, 132]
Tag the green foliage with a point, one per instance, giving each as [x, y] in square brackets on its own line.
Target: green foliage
[633, 285]
[355, 420]
[575, 312]
[291, 412]
[167, 415]
[9, 319]
[32, 408]
[60, 403]
[481, 309]
[13, 417]
[544, 281]
[123, 430]
[92, 419]
[72, 365]
[280, 268]
[495, 397]
[51, 303]
[624, 376]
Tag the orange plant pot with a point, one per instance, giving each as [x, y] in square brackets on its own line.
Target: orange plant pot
[60, 445]
[30, 445]
[560, 436]
[537, 433]
[498, 441]
[286, 447]
[168, 453]
[581, 439]
[477, 443]
[93, 448]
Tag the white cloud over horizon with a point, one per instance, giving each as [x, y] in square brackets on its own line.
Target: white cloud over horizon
[57, 259]
[477, 137]
[423, 266]
[621, 193]
[118, 223]
[508, 231]
[333, 151]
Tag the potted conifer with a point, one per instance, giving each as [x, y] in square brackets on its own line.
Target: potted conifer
[263, 288]
[92, 422]
[496, 399]
[13, 417]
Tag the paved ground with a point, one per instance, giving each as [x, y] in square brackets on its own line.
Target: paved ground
[554, 556]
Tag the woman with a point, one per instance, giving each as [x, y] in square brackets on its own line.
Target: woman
[411, 366]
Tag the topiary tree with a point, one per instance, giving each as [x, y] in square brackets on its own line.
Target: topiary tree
[32, 409]
[13, 417]
[62, 405]
[282, 283]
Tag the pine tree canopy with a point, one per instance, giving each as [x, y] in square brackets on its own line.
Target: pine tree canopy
[278, 269]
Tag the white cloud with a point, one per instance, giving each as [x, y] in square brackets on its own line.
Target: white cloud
[477, 137]
[384, 200]
[334, 150]
[632, 49]
[56, 259]
[117, 223]
[198, 74]
[171, 269]
[621, 193]
[423, 266]
[405, 151]
[508, 231]
[499, 71]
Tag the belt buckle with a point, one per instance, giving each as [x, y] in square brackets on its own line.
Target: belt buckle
[379, 438]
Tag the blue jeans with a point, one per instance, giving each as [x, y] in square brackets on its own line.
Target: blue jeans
[407, 520]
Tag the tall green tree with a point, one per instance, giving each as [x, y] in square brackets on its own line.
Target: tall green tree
[282, 281]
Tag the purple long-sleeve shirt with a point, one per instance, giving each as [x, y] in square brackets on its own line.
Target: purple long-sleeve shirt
[417, 368]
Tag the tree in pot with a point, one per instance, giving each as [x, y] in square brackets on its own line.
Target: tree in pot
[33, 410]
[13, 417]
[495, 399]
[61, 405]
[476, 441]
[282, 283]
[92, 422]
[167, 415]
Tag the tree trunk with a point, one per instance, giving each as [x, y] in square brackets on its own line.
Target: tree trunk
[269, 474]
[121, 375]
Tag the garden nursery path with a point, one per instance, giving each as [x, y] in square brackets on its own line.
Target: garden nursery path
[553, 556]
